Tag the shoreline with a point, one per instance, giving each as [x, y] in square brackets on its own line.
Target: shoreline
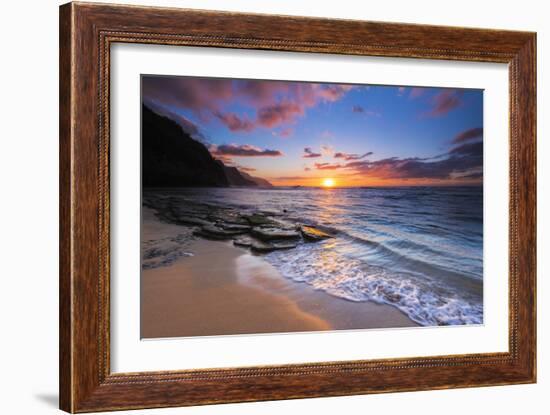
[194, 297]
[338, 312]
[241, 293]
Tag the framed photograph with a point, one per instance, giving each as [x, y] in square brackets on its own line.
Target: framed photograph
[258, 207]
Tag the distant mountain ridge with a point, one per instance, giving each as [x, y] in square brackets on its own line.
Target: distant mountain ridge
[258, 180]
[235, 177]
[172, 158]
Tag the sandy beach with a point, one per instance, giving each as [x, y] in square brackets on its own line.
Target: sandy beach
[223, 289]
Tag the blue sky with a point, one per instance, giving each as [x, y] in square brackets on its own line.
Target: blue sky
[300, 133]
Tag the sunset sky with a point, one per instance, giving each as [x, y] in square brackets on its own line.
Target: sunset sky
[298, 133]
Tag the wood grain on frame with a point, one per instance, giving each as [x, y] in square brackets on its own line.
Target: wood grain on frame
[86, 33]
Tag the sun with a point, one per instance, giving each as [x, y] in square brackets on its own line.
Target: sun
[328, 182]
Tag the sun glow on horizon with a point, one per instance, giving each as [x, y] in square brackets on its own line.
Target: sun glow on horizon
[328, 182]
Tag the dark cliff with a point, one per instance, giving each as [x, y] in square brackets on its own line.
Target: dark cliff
[172, 158]
[258, 180]
[235, 177]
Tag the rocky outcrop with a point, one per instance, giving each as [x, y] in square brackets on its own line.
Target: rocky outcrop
[313, 234]
[259, 231]
[263, 247]
[273, 234]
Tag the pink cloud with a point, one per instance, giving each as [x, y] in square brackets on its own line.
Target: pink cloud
[327, 166]
[277, 114]
[234, 122]
[288, 178]
[243, 150]
[465, 160]
[351, 156]
[198, 94]
[332, 92]
[468, 135]
[262, 93]
[283, 133]
[310, 154]
[275, 103]
[327, 150]
[445, 101]
[416, 92]
[286, 132]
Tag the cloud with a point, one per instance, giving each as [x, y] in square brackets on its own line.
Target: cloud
[234, 122]
[201, 95]
[464, 162]
[468, 149]
[468, 135]
[289, 178]
[327, 150]
[286, 132]
[460, 159]
[297, 98]
[358, 109]
[277, 114]
[327, 166]
[416, 92]
[261, 93]
[332, 92]
[351, 156]
[307, 168]
[473, 175]
[244, 150]
[274, 103]
[310, 154]
[445, 101]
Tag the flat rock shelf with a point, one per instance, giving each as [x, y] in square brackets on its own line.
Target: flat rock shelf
[259, 231]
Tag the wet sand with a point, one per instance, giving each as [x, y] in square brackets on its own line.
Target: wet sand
[223, 290]
[339, 313]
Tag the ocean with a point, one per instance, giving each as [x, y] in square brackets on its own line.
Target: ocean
[419, 249]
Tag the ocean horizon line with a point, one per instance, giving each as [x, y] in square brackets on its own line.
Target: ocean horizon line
[275, 187]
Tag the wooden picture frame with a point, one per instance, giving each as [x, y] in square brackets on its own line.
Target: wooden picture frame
[86, 33]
